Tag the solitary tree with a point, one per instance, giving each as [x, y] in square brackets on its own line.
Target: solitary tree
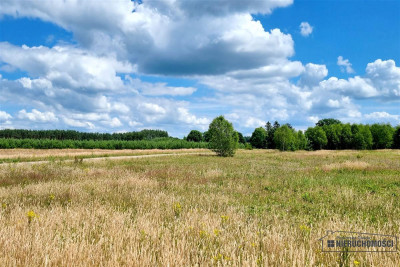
[223, 138]
[195, 136]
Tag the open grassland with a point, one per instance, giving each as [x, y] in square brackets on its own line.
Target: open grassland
[261, 207]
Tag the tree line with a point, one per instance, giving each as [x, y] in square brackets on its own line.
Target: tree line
[221, 137]
[326, 134]
[75, 135]
[157, 143]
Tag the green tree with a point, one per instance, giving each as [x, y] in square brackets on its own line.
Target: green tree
[302, 142]
[382, 135]
[317, 137]
[346, 137]
[258, 138]
[330, 121]
[195, 136]
[285, 138]
[396, 138]
[223, 138]
[333, 132]
[206, 136]
[241, 138]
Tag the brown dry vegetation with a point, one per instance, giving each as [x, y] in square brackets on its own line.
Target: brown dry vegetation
[261, 207]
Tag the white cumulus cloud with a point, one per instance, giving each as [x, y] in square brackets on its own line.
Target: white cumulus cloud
[344, 64]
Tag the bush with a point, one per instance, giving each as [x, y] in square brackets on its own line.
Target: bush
[223, 138]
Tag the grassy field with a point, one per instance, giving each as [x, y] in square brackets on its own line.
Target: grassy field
[261, 207]
[29, 155]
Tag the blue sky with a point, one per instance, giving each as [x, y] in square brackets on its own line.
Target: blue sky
[175, 65]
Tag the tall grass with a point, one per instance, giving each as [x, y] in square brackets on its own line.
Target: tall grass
[259, 208]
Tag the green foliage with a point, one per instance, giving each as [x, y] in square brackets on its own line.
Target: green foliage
[317, 137]
[382, 135]
[206, 136]
[396, 138]
[241, 138]
[223, 138]
[326, 122]
[302, 142]
[158, 143]
[258, 138]
[285, 138]
[346, 137]
[248, 146]
[75, 135]
[195, 136]
[270, 129]
[333, 133]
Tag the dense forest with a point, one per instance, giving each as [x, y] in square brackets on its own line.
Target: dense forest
[327, 134]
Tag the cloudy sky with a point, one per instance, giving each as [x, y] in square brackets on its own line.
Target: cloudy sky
[122, 65]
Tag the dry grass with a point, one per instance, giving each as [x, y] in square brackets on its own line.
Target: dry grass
[259, 208]
[347, 165]
[51, 154]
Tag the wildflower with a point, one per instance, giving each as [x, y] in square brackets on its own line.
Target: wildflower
[52, 197]
[177, 209]
[304, 228]
[356, 262]
[224, 218]
[218, 257]
[31, 215]
[253, 244]
[216, 232]
[4, 205]
[227, 258]
[202, 233]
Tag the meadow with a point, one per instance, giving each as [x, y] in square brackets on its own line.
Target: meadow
[259, 208]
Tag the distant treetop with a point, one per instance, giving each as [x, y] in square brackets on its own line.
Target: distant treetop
[330, 121]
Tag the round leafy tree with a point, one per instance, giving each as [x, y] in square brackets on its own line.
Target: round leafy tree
[223, 138]
[195, 136]
[258, 138]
